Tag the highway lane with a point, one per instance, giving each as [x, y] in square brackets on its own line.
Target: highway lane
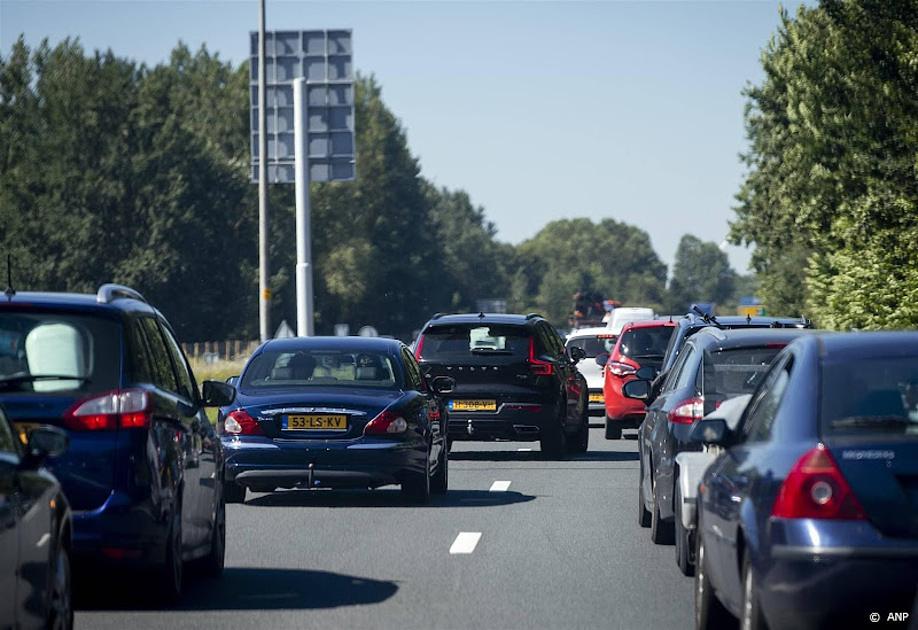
[558, 548]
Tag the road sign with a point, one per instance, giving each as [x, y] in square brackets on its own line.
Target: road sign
[325, 60]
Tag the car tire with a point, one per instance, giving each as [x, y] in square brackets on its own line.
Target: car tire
[643, 514]
[416, 486]
[661, 532]
[233, 492]
[613, 429]
[214, 561]
[710, 613]
[581, 442]
[60, 597]
[170, 575]
[683, 537]
[751, 617]
[439, 483]
[553, 441]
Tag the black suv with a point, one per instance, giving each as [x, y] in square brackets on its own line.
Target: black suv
[144, 469]
[514, 380]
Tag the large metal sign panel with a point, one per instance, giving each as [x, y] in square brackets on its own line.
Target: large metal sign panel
[325, 60]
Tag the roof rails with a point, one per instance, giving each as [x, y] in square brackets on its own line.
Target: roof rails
[108, 293]
[708, 318]
[533, 315]
[437, 315]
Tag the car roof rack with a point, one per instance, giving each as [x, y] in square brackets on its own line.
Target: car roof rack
[108, 293]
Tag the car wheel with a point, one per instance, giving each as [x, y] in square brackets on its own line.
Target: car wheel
[661, 532]
[440, 481]
[416, 486]
[553, 441]
[233, 492]
[751, 612]
[613, 429]
[683, 537]
[171, 574]
[582, 438]
[643, 514]
[60, 608]
[710, 614]
[215, 559]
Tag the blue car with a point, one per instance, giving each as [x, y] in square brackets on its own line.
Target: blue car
[809, 519]
[143, 469]
[335, 412]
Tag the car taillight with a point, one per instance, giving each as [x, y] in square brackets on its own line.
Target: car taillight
[620, 369]
[386, 423]
[816, 488]
[418, 349]
[538, 367]
[239, 422]
[126, 408]
[687, 411]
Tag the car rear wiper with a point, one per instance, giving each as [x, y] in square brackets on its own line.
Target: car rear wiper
[874, 422]
[490, 351]
[16, 379]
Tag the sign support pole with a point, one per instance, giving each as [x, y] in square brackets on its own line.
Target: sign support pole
[305, 319]
[264, 276]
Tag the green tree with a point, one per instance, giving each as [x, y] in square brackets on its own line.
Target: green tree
[701, 273]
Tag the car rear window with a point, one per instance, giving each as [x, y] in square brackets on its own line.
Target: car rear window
[736, 371]
[646, 343]
[472, 343]
[593, 345]
[871, 396]
[320, 368]
[59, 352]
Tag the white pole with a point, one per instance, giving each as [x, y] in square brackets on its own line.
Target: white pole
[304, 305]
[264, 275]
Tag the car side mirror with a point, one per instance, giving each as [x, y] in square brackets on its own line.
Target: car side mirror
[710, 431]
[217, 394]
[646, 373]
[576, 353]
[638, 390]
[443, 385]
[602, 358]
[44, 442]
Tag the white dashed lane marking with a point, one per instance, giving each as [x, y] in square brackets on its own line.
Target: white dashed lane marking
[500, 486]
[523, 450]
[465, 542]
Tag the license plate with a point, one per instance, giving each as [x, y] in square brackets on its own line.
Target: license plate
[315, 422]
[597, 398]
[23, 428]
[473, 405]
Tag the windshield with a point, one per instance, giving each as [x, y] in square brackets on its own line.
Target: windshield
[475, 343]
[646, 343]
[593, 345]
[320, 368]
[874, 396]
[58, 352]
[735, 371]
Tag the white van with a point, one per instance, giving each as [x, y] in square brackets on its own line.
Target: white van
[625, 315]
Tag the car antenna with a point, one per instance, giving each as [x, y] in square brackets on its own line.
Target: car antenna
[9, 292]
[481, 315]
[748, 318]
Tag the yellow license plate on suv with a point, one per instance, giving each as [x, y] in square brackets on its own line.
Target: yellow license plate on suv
[473, 405]
[597, 398]
[315, 422]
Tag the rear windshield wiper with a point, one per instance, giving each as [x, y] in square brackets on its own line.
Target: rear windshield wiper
[873, 422]
[490, 351]
[17, 379]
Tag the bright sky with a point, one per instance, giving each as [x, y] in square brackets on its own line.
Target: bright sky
[539, 110]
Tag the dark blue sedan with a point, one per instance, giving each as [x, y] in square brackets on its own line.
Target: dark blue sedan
[335, 412]
[809, 518]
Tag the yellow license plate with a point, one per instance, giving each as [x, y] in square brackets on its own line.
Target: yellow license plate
[473, 405]
[597, 398]
[316, 422]
[23, 428]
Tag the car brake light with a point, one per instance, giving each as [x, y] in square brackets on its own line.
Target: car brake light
[239, 422]
[538, 367]
[127, 409]
[687, 411]
[419, 348]
[386, 423]
[816, 488]
[620, 369]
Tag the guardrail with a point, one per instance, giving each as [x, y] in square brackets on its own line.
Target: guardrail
[216, 351]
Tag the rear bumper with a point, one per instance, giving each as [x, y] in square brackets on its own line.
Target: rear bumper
[122, 531]
[807, 585]
[264, 464]
[618, 407]
[519, 425]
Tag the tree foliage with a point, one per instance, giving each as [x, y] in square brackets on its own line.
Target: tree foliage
[701, 273]
[831, 198]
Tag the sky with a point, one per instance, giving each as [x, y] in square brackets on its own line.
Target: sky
[539, 110]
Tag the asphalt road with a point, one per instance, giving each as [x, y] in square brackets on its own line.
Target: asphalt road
[559, 548]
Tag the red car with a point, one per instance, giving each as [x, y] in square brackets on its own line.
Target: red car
[640, 344]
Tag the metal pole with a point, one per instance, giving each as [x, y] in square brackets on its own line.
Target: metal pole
[264, 276]
[304, 301]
